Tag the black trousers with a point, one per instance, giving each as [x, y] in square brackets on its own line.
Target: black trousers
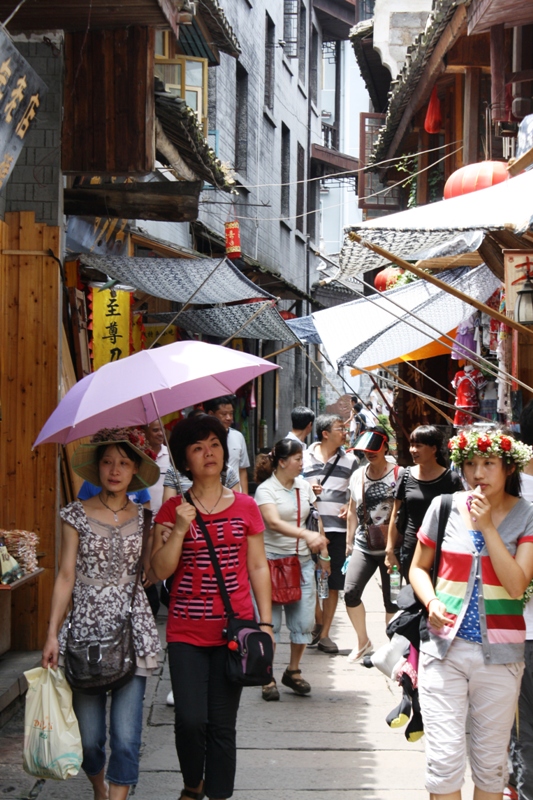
[205, 706]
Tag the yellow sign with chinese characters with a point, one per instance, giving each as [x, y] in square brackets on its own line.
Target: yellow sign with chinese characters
[111, 326]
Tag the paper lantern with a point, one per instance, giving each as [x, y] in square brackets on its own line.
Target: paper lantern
[387, 278]
[475, 176]
[233, 239]
[433, 120]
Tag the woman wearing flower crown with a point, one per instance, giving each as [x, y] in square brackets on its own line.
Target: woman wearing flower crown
[473, 658]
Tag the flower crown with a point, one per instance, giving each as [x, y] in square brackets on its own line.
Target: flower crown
[468, 444]
[135, 436]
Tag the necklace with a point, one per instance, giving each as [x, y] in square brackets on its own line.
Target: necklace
[207, 511]
[115, 513]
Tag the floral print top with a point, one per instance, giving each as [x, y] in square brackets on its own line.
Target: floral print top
[106, 567]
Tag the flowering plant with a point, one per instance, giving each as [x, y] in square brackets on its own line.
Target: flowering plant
[497, 444]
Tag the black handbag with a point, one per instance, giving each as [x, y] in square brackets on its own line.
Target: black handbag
[101, 665]
[250, 650]
[401, 516]
[412, 622]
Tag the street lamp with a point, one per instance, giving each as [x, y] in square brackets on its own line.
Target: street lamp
[523, 309]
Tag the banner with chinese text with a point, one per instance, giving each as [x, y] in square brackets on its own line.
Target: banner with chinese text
[21, 94]
[110, 325]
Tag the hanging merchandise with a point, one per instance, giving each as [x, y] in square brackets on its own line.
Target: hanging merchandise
[433, 121]
[233, 239]
[464, 339]
[467, 382]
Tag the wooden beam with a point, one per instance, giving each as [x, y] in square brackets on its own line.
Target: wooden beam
[400, 262]
[471, 115]
[435, 67]
[515, 167]
[176, 201]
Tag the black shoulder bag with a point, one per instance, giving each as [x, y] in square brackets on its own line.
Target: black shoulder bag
[412, 623]
[401, 516]
[94, 666]
[250, 650]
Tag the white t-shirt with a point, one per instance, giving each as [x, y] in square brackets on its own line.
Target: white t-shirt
[156, 491]
[272, 491]
[292, 435]
[526, 484]
[238, 454]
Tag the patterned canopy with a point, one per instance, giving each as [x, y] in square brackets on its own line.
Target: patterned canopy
[225, 321]
[178, 278]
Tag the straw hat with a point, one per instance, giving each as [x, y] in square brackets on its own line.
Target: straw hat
[84, 462]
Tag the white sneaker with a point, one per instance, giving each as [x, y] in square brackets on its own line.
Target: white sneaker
[170, 698]
[357, 655]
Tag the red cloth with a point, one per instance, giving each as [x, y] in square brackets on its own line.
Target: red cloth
[196, 611]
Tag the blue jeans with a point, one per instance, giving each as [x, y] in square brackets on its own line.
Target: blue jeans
[124, 731]
[299, 616]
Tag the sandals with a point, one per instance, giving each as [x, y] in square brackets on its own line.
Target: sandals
[297, 685]
[357, 655]
[270, 692]
[187, 793]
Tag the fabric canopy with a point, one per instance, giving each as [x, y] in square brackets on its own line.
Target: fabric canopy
[305, 330]
[226, 321]
[178, 278]
[447, 228]
[364, 333]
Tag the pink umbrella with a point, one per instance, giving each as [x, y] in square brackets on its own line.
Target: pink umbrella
[138, 389]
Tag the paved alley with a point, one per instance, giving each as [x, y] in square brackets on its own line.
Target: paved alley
[332, 744]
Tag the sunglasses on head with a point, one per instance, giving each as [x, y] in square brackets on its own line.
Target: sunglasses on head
[370, 441]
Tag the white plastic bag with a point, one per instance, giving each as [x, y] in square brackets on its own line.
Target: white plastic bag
[52, 741]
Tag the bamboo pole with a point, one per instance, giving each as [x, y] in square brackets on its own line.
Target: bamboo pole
[403, 264]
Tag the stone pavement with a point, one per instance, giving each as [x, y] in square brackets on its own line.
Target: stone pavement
[332, 744]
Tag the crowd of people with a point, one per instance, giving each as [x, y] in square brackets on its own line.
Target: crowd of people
[341, 508]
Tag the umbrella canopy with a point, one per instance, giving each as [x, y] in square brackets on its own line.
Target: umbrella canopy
[364, 333]
[138, 389]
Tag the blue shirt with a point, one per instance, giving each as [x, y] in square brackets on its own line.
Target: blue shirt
[470, 629]
[89, 490]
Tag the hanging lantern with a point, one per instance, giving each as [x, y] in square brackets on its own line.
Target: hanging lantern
[387, 278]
[233, 239]
[475, 176]
[523, 310]
[433, 120]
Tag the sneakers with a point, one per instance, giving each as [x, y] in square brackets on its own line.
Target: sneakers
[170, 698]
[327, 645]
[356, 656]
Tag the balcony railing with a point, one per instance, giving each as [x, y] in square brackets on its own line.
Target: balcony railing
[330, 136]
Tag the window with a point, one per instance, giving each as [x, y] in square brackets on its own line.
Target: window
[300, 187]
[241, 119]
[290, 28]
[302, 42]
[270, 52]
[185, 77]
[364, 9]
[285, 171]
[313, 66]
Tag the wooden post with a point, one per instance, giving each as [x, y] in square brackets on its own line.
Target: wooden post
[497, 72]
[471, 115]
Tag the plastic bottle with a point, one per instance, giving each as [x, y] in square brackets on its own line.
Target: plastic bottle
[395, 583]
[322, 584]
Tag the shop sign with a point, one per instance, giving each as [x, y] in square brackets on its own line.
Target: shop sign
[111, 325]
[21, 95]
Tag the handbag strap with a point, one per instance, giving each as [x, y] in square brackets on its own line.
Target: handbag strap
[298, 517]
[444, 514]
[331, 467]
[214, 560]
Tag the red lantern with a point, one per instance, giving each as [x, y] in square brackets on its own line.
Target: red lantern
[475, 176]
[387, 278]
[433, 121]
[233, 239]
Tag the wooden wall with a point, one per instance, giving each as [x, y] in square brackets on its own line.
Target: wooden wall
[29, 383]
[109, 116]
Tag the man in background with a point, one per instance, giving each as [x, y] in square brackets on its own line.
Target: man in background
[222, 409]
[302, 419]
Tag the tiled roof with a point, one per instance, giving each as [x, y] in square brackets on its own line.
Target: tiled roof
[403, 87]
[223, 36]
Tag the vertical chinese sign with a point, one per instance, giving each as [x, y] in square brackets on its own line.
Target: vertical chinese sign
[21, 95]
[110, 325]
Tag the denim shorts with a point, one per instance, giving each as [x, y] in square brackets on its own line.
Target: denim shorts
[125, 728]
[299, 616]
